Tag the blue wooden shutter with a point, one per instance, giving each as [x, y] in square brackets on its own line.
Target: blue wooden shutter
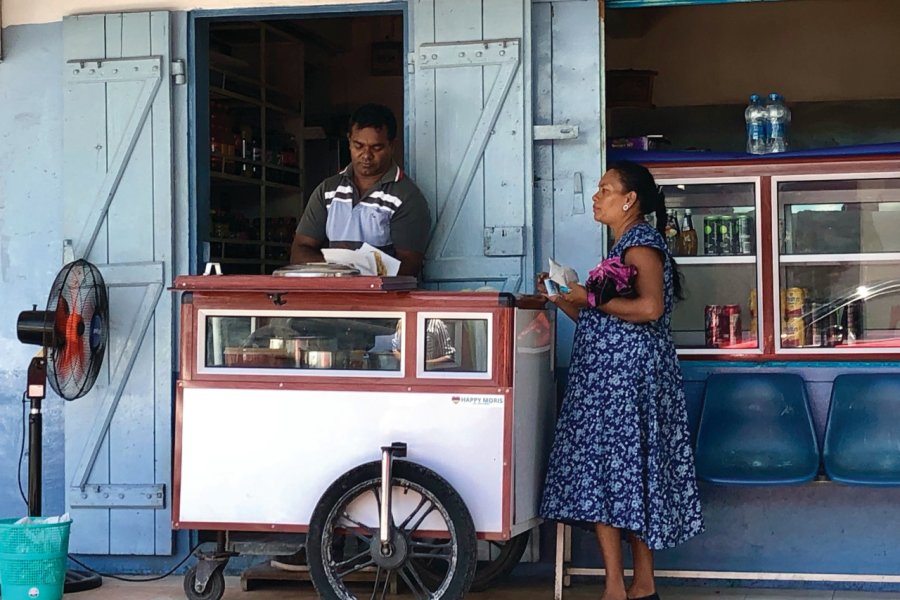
[568, 63]
[472, 138]
[117, 142]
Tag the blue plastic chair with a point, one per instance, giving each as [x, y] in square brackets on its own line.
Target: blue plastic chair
[756, 429]
[862, 437]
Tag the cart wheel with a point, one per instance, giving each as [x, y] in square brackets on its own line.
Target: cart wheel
[215, 587]
[503, 557]
[344, 541]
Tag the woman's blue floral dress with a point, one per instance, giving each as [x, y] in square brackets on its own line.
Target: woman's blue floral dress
[622, 454]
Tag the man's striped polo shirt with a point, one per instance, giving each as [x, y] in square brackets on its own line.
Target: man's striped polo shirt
[393, 214]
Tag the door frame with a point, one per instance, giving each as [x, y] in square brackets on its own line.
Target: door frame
[198, 81]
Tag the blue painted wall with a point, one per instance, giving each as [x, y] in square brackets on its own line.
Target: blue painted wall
[31, 114]
[30, 244]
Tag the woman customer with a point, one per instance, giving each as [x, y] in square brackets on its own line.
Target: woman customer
[621, 460]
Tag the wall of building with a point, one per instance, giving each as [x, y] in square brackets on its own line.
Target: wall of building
[808, 50]
[841, 529]
[30, 245]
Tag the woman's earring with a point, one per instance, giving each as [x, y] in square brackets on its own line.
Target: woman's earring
[625, 206]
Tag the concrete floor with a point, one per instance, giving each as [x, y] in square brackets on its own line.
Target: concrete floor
[171, 589]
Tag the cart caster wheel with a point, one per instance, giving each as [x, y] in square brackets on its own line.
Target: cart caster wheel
[343, 545]
[502, 559]
[214, 589]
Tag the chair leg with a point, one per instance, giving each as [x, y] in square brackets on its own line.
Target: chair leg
[559, 562]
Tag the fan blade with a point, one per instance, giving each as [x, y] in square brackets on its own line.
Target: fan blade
[62, 316]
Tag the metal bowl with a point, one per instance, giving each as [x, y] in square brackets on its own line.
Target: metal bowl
[317, 359]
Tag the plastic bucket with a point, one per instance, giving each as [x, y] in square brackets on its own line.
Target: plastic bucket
[33, 559]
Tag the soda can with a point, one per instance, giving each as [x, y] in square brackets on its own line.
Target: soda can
[724, 240]
[794, 334]
[710, 235]
[833, 333]
[743, 234]
[853, 322]
[713, 322]
[794, 299]
[815, 317]
[733, 330]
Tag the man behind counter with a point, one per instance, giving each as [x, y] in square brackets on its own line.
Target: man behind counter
[371, 200]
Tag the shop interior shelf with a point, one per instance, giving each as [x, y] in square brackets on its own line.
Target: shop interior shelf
[249, 100]
[716, 260]
[249, 242]
[238, 180]
[237, 261]
[812, 259]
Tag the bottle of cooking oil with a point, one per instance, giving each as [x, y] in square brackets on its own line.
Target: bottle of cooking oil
[688, 238]
[671, 232]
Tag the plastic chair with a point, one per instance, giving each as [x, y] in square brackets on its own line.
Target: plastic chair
[862, 436]
[756, 429]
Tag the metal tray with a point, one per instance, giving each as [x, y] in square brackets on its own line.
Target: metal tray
[316, 270]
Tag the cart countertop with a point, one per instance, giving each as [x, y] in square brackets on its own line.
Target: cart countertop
[269, 283]
[215, 285]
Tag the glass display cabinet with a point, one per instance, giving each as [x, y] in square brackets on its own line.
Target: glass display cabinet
[721, 271]
[838, 251]
[792, 258]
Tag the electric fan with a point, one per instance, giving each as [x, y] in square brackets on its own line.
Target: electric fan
[73, 332]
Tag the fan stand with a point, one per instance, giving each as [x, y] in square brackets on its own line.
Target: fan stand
[76, 581]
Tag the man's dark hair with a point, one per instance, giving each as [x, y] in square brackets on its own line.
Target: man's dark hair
[376, 116]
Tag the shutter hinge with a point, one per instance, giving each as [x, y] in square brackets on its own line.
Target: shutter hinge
[178, 72]
[411, 63]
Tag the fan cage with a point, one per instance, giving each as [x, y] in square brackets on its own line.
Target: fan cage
[79, 309]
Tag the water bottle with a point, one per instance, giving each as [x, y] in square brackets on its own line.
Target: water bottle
[778, 116]
[755, 116]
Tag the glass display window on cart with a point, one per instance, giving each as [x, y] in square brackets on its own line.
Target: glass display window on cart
[307, 343]
[454, 345]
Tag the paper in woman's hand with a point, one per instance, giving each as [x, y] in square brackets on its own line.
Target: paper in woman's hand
[561, 275]
[610, 279]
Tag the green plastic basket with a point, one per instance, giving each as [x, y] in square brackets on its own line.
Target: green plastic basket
[33, 559]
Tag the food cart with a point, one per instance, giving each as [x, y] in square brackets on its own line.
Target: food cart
[300, 396]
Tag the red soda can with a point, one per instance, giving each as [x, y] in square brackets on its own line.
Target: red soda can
[713, 324]
[732, 324]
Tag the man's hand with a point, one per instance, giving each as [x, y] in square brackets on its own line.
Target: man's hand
[410, 262]
[305, 249]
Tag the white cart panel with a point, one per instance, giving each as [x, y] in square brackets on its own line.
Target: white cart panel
[285, 447]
